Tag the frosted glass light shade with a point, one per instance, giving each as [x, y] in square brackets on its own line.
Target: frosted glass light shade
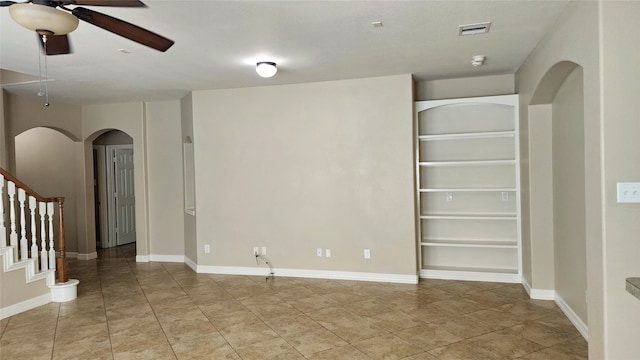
[41, 17]
[266, 69]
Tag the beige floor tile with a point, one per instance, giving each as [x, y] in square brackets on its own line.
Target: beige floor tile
[243, 334]
[313, 341]
[270, 349]
[274, 311]
[497, 319]
[224, 320]
[428, 336]
[204, 347]
[506, 344]
[358, 330]
[388, 347]
[313, 303]
[395, 320]
[341, 352]
[465, 326]
[368, 307]
[572, 349]
[222, 307]
[292, 325]
[158, 351]
[528, 309]
[26, 348]
[545, 333]
[333, 315]
[464, 350]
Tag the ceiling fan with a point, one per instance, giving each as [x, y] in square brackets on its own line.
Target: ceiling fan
[53, 25]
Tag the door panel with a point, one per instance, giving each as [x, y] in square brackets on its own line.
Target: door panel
[124, 197]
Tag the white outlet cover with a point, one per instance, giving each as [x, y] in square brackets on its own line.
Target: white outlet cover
[628, 192]
[319, 252]
[327, 252]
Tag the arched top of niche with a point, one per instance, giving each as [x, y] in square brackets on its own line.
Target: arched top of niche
[93, 137]
[60, 130]
[551, 82]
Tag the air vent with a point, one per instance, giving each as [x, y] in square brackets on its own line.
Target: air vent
[474, 29]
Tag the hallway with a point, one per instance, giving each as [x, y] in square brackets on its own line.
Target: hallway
[129, 310]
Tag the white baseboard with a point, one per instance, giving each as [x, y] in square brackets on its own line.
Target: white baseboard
[302, 273]
[167, 258]
[470, 276]
[190, 263]
[540, 294]
[25, 305]
[142, 258]
[89, 256]
[582, 328]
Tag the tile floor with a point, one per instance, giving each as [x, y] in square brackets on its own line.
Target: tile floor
[129, 310]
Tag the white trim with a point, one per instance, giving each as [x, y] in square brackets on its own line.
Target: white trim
[89, 256]
[582, 328]
[142, 258]
[538, 294]
[313, 274]
[470, 276]
[167, 258]
[25, 305]
[190, 263]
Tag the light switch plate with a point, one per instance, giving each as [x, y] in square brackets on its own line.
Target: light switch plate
[628, 192]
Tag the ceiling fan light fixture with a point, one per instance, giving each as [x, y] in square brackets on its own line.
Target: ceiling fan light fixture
[41, 17]
[266, 69]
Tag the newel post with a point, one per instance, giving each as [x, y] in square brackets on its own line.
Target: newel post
[61, 262]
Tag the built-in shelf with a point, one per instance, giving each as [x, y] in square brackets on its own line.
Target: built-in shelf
[469, 147]
[470, 217]
[468, 163]
[475, 135]
[471, 244]
[468, 190]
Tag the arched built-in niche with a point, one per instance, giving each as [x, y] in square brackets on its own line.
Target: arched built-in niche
[557, 177]
[45, 160]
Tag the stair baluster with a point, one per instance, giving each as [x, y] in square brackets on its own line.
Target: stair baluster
[52, 252]
[44, 258]
[13, 236]
[3, 229]
[24, 251]
[34, 233]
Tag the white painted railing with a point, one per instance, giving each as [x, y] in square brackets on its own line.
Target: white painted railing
[31, 240]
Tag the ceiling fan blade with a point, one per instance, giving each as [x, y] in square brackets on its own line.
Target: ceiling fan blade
[56, 44]
[123, 28]
[115, 3]
[7, 3]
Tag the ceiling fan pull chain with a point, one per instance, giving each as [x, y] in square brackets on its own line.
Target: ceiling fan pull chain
[40, 92]
[46, 72]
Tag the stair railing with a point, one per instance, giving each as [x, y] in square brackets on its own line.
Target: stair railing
[32, 239]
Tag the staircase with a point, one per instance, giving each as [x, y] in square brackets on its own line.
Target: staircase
[29, 224]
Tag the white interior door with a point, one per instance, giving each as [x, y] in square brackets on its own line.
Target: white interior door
[124, 196]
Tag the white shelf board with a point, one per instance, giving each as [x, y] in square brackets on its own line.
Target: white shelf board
[468, 190]
[469, 217]
[472, 244]
[472, 135]
[468, 163]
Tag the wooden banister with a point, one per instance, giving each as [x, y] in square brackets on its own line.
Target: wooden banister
[61, 261]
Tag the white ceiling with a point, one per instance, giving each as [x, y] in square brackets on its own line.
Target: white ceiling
[219, 42]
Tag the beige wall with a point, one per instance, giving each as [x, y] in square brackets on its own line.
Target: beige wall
[568, 194]
[298, 167]
[47, 172]
[4, 159]
[610, 108]
[465, 87]
[620, 111]
[12, 280]
[129, 118]
[164, 159]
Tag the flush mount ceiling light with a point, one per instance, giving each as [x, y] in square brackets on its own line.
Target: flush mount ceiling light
[477, 60]
[266, 69]
[41, 18]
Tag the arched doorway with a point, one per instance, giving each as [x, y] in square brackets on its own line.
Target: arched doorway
[114, 194]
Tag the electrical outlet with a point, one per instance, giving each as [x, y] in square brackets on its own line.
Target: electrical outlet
[256, 251]
[504, 196]
[449, 196]
[367, 253]
[264, 250]
[207, 249]
[319, 252]
[327, 252]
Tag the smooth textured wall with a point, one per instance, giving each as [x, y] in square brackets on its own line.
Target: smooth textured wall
[569, 221]
[190, 237]
[164, 157]
[621, 126]
[299, 167]
[48, 172]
